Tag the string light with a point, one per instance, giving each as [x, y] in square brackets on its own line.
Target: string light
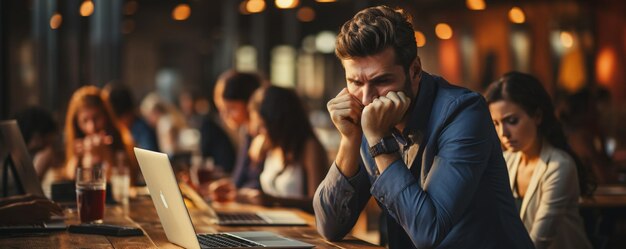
[255, 6]
[306, 14]
[475, 4]
[286, 4]
[181, 12]
[516, 15]
[443, 31]
[56, 20]
[86, 8]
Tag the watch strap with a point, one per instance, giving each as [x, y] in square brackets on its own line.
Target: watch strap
[386, 145]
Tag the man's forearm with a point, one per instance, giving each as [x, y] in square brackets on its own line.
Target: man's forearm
[339, 201]
[348, 156]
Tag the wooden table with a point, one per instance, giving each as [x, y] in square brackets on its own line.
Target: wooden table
[606, 196]
[141, 213]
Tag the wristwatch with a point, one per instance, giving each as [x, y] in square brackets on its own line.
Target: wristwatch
[387, 145]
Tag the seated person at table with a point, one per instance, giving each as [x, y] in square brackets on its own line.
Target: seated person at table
[424, 149]
[26, 210]
[544, 172]
[93, 137]
[222, 137]
[41, 135]
[169, 124]
[123, 104]
[294, 157]
[232, 94]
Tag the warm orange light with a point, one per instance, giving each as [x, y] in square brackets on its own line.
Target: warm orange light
[516, 15]
[567, 39]
[56, 20]
[605, 66]
[572, 75]
[306, 14]
[450, 61]
[475, 4]
[443, 31]
[255, 6]
[326, 1]
[86, 8]
[130, 8]
[420, 39]
[181, 12]
[286, 4]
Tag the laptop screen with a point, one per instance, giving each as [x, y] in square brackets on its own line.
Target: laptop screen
[17, 172]
[167, 198]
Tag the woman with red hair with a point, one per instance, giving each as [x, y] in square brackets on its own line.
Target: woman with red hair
[93, 138]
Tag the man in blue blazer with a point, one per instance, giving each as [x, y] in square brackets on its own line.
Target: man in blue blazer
[426, 150]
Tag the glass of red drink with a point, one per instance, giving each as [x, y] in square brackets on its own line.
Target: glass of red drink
[90, 194]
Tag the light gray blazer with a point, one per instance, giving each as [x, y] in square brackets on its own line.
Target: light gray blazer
[550, 207]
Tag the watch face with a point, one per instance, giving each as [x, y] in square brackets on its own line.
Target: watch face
[390, 145]
[386, 145]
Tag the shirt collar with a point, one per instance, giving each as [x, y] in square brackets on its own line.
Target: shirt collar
[420, 113]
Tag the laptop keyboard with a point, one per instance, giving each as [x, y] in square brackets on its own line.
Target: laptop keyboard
[223, 240]
[249, 218]
[39, 225]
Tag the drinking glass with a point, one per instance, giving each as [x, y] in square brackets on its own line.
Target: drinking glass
[120, 184]
[90, 194]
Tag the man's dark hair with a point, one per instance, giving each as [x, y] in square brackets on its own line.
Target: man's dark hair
[374, 29]
[120, 97]
[35, 120]
[240, 86]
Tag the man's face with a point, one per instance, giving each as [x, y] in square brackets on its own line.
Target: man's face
[376, 75]
[235, 112]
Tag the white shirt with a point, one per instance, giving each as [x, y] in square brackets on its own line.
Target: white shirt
[289, 183]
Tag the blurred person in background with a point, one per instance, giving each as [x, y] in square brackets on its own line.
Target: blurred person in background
[232, 94]
[294, 159]
[546, 176]
[186, 102]
[168, 122]
[41, 135]
[122, 101]
[581, 116]
[94, 137]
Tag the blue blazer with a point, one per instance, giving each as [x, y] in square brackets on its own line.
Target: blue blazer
[454, 195]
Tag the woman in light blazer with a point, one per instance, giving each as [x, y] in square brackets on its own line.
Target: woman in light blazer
[545, 175]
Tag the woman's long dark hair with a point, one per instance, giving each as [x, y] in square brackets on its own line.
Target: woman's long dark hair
[285, 119]
[527, 92]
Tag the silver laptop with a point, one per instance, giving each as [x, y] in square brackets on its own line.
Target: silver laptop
[175, 218]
